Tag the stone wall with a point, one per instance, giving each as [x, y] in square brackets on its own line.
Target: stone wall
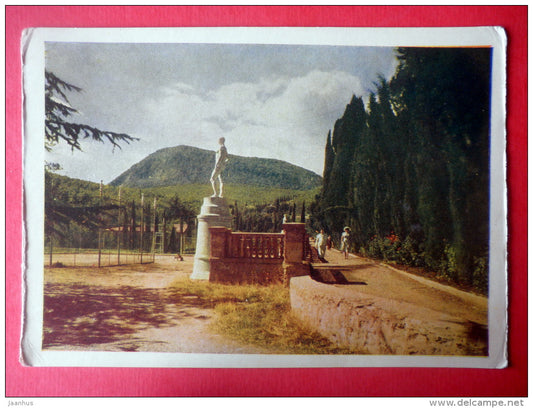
[374, 325]
[242, 271]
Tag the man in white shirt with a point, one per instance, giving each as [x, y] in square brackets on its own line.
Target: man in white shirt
[320, 243]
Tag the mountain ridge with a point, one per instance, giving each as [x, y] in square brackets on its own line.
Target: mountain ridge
[191, 165]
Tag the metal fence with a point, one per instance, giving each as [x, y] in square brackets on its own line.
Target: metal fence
[90, 257]
[96, 259]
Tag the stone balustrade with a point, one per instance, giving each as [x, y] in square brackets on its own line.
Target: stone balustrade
[258, 258]
[255, 245]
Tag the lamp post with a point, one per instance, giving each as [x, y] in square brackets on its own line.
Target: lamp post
[118, 222]
[99, 226]
[142, 225]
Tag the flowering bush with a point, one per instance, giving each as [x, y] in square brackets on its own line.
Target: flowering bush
[410, 253]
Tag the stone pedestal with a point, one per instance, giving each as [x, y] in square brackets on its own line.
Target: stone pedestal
[214, 213]
[294, 254]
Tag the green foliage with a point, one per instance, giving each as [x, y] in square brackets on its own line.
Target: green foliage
[182, 165]
[393, 249]
[416, 162]
[243, 194]
[75, 191]
[267, 217]
[68, 210]
[409, 253]
[57, 112]
[75, 210]
[448, 265]
[480, 277]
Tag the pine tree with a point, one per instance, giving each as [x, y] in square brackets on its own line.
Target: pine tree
[58, 111]
[58, 128]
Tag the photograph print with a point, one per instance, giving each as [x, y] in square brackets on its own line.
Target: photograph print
[265, 197]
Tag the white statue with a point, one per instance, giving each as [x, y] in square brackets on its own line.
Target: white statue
[220, 162]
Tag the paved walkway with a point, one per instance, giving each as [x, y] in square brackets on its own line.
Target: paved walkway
[376, 278]
[375, 308]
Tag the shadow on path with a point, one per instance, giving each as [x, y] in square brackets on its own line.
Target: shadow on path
[83, 315]
[334, 276]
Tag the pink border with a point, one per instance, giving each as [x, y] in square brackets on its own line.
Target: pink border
[34, 382]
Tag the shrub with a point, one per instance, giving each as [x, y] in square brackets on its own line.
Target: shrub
[480, 278]
[409, 254]
[58, 265]
[374, 248]
[448, 265]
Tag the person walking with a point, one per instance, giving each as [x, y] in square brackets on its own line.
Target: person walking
[345, 242]
[321, 244]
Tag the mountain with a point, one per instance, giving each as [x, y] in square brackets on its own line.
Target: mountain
[191, 165]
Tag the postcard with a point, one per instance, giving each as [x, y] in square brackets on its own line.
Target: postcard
[265, 197]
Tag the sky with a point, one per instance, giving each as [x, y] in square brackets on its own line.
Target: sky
[270, 101]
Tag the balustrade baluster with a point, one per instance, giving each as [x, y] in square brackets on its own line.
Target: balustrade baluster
[252, 247]
[256, 245]
[235, 245]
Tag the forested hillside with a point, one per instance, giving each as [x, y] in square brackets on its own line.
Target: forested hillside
[409, 172]
[75, 210]
[190, 165]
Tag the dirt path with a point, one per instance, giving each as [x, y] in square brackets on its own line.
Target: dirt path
[129, 308]
[385, 281]
[418, 315]
[133, 307]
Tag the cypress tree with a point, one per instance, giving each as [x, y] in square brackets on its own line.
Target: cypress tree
[417, 162]
[329, 159]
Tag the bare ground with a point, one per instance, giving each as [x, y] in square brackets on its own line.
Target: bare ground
[393, 311]
[129, 308]
[378, 279]
[133, 308]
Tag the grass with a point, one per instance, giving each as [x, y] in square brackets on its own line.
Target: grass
[258, 315]
[242, 194]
